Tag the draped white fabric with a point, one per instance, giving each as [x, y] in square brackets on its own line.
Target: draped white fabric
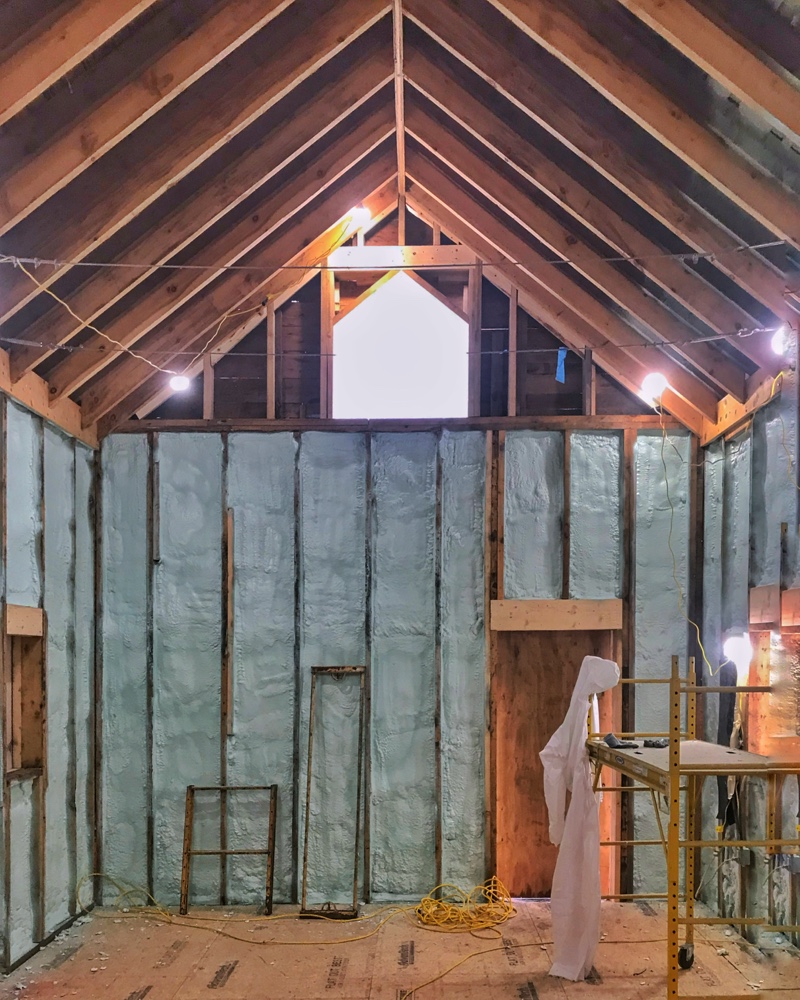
[575, 900]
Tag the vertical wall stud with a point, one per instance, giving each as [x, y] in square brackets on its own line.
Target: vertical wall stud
[208, 388]
[565, 534]
[327, 309]
[628, 637]
[437, 660]
[6, 666]
[474, 340]
[298, 598]
[369, 515]
[489, 592]
[226, 672]
[271, 359]
[513, 331]
[589, 384]
[153, 558]
[96, 709]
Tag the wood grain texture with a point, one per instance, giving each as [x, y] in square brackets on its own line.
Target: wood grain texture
[556, 616]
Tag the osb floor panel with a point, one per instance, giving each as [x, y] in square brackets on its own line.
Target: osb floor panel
[123, 957]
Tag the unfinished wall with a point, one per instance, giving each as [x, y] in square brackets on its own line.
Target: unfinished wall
[349, 550]
[750, 540]
[48, 562]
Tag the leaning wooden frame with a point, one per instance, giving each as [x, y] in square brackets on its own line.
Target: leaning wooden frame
[224, 854]
[328, 910]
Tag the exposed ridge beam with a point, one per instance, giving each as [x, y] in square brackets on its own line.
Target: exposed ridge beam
[760, 196]
[684, 285]
[610, 328]
[52, 168]
[720, 56]
[241, 237]
[288, 140]
[128, 188]
[509, 198]
[519, 83]
[192, 326]
[60, 48]
[567, 326]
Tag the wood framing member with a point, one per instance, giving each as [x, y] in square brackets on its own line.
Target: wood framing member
[118, 394]
[288, 140]
[564, 37]
[62, 46]
[519, 82]
[589, 382]
[602, 422]
[33, 392]
[208, 388]
[765, 606]
[41, 176]
[790, 609]
[328, 284]
[380, 258]
[720, 56]
[699, 297]
[249, 232]
[272, 345]
[278, 292]
[474, 340]
[513, 325]
[399, 114]
[300, 48]
[486, 176]
[23, 620]
[556, 616]
[576, 310]
[732, 414]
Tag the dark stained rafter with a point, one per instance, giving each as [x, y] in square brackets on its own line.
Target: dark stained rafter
[247, 137]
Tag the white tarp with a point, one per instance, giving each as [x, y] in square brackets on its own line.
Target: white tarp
[575, 899]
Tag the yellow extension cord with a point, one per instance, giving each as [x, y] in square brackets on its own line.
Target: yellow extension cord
[446, 909]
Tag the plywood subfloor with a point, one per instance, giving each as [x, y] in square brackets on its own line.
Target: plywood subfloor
[130, 958]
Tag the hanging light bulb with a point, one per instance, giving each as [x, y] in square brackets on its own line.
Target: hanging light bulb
[653, 387]
[360, 216]
[180, 383]
[739, 650]
[780, 340]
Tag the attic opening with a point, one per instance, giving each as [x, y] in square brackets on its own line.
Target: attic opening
[400, 353]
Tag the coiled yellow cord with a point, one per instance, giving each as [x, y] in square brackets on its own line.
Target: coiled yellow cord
[486, 906]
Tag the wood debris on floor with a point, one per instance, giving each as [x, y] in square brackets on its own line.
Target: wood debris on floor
[232, 954]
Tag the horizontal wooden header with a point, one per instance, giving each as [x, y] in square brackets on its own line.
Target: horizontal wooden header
[556, 616]
[23, 620]
[381, 258]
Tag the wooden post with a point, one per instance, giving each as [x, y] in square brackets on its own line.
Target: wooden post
[271, 347]
[474, 313]
[327, 307]
[437, 234]
[565, 534]
[513, 308]
[589, 384]
[208, 388]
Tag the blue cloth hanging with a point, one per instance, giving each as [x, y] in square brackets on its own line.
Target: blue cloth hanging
[560, 374]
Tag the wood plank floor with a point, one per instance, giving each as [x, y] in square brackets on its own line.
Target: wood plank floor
[123, 957]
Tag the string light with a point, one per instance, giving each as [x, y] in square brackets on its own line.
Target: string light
[180, 383]
[780, 340]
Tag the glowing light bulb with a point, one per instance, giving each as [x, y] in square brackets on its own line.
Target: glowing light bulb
[653, 387]
[180, 383]
[360, 216]
[739, 650]
[780, 340]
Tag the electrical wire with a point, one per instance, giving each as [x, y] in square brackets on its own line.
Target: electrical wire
[687, 256]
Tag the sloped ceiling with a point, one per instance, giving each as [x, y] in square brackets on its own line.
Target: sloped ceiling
[632, 167]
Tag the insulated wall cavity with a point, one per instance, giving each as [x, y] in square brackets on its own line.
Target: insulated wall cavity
[24, 458]
[661, 582]
[333, 525]
[125, 638]
[533, 514]
[59, 599]
[463, 656]
[595, 552]
[736, 535]
[261, 494]
[403, 806]
[187, 634]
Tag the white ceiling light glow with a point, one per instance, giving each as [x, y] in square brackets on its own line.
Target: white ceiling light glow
[180, 383]
[739, 650]
[653, 387]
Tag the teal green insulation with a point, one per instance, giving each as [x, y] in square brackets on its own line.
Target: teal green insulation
[187, 637]
[534, 514]
[463, 651]
[49, 563]
[125, 759]
[59, 603]
[661, 576]
[260, 750]
[403, 803]
[332, 536]
[595, 502]
[736, 535]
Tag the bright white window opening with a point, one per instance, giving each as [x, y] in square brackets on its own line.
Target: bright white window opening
[401, 353]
